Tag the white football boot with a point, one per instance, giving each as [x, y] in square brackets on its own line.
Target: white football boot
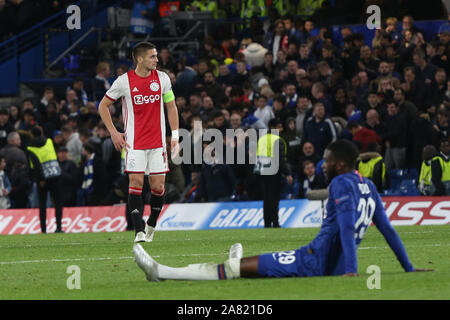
[140, 237]
[149, 232]
[146, 263]
[236, 251]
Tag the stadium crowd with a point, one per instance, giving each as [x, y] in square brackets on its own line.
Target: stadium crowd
[392, 98]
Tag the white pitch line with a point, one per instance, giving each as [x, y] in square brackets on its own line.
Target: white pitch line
[421, 246]
[104, 258]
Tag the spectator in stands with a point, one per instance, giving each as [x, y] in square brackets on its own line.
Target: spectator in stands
[17, 170]
[5, 126]
[264, 111]
[24, 15]
[50, 119]
[101, 84]
[293, 142]
[395, 137]
[311, 180]
[319, 129]
[424, 71]
[440, 166]
[441, 128]
[304, 111]
[212, 88]
[73, 143]
[28, 121]
[424, 181]
[235, 120]
[78, 87]
[166, 60]
[225, 77]
[305, 60]
[175, 182]
[5, 185]
[47, 96]
[364, 135]
[94, 177]
[6, 19]
[217, 180]
[318, 92]
[15, 116]
[413, 89]
[373, 122]
[437, 88]
[190, 192]
[371, 165]
[367, 62]
[69, 177]
[110, 156]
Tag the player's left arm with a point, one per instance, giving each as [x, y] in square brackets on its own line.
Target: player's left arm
[172, 111]
[172, 115]
[381, 221]
[345, 214]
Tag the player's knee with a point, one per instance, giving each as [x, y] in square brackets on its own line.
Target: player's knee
[136, 181]
[158, 190]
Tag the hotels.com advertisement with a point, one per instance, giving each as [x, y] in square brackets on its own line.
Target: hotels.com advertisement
[224, 215]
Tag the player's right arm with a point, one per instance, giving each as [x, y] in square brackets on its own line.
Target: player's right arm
[115, 92]
[381, 221]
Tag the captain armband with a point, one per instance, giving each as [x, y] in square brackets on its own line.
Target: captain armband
[168, 97]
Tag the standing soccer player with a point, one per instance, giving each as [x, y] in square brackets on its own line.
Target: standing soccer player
[144, 92]
[352, 205]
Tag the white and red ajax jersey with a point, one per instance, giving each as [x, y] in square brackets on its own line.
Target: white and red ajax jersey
[142, 108]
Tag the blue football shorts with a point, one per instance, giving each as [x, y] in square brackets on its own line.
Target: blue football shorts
[302, 262]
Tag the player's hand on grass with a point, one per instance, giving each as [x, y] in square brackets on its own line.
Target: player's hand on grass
[423, 270]
[350, 274]
[119, 141]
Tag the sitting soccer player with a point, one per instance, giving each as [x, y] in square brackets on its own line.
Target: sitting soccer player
[352, 205]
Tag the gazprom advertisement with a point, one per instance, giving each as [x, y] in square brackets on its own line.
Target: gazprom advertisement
[231, 215]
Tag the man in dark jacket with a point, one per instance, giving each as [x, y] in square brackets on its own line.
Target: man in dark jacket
[46, 172]
[69, 178]
[319, 129]
[395, 137]
[94, 177]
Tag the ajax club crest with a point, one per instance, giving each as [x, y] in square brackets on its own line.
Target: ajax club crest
[154, 86]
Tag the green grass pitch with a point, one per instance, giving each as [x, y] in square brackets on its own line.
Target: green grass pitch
[35, 266]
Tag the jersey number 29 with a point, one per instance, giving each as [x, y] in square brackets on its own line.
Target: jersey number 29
[367, 209]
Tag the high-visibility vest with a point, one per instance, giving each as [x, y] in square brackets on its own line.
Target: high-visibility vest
[266, 145]
[307, 7]
[265, 156]
[253, 7]
[284, 6]
[207, 5]
[47, 158]
[425, 173]
[122, 161]
[366, 168]
[445, 166]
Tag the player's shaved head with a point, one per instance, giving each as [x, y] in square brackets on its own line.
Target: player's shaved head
[141, 48]
[344, 150]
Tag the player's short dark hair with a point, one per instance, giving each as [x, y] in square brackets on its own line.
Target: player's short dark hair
[141, 48]
[344, 150]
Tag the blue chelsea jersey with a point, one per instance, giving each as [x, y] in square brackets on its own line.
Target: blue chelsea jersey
[353, 204]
